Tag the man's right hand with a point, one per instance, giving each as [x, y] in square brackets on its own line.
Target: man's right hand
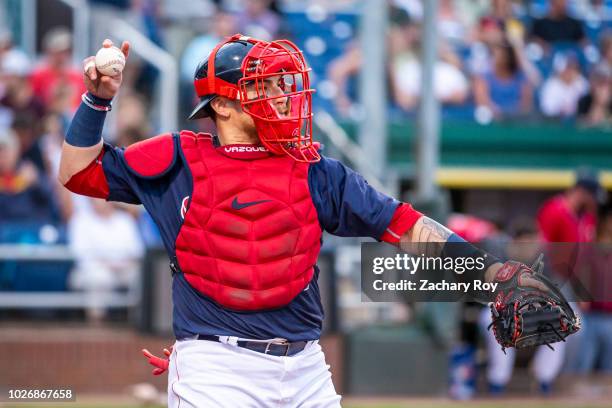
[103, 86]
[160, 364]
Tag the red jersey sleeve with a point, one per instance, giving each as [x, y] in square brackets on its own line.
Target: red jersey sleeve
[403, 219]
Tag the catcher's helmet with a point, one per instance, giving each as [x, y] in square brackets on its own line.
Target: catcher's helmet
[268, 78]
[227, 69]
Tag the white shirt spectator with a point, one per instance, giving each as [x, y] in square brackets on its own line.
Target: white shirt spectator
[559, 98]
[448, 79]
[107, 247]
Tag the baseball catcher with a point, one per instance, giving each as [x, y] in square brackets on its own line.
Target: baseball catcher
[241, 214]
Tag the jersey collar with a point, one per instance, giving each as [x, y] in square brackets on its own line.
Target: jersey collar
[244, 151]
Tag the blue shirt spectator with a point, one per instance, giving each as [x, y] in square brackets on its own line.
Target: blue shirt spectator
[506, 92]
[25, 195]
[503, 89]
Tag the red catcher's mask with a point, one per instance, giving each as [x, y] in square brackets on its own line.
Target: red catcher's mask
[275, 91]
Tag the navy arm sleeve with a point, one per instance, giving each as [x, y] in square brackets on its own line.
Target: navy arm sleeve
[346, 204]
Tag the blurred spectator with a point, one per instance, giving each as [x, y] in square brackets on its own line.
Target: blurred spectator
[504, 13]
[471, 228]
[557, 26]
[595, 108]
[16, 95]
[340, 72]
[596, 339]
[605, 48]
[27, 129]
[51, 142]
[403, 68]
[525, 244]
[572, 216]
[492, 28]
[145, 16]
[223, 24]
[7, 46]
[130, 135]
[505, 10]
[451, 24]
[593, 12]
[259, 19]
[564, 221]
[181, 11]
[55, 76]
[504, 90]
[451, 87]
[546, 363]
[132, 113]
[470, 12]
[6, 38]
[561, 92]
[51, 145]
[25, 195]
[107, 247]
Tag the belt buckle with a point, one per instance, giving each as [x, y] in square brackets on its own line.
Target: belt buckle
[285, 343]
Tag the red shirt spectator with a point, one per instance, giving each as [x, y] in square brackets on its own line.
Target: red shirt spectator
[49, 83]
[559, 221]
[55, 82]
[570, 217]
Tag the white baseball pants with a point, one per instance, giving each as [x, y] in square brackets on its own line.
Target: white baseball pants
[206, 374]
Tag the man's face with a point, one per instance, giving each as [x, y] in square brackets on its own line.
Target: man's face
[257, 7]
[558, 7]
[273, 87]
[59, 59]
[587, 201]
[570, 72]
[9, 156]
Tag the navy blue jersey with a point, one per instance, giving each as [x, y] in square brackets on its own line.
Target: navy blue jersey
[346, 206]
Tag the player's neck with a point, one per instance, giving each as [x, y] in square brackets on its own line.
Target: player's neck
[232, 135]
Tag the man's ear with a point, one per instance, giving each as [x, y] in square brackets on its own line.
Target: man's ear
[223, 107]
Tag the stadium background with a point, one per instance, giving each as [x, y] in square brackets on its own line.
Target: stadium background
[513, 106]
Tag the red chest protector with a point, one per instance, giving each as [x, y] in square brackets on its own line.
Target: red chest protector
[250, 235]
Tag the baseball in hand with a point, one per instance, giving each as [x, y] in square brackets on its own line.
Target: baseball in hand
[110, 61]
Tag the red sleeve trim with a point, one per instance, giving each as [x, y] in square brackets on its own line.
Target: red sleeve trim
[90, 181]
[403, 219]
[152, 157]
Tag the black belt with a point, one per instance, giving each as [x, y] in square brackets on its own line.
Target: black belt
[274, 349]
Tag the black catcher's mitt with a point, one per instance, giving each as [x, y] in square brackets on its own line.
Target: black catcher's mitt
[528, 309]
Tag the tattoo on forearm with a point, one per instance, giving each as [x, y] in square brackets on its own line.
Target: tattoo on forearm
[425, 237]
[435, 231]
